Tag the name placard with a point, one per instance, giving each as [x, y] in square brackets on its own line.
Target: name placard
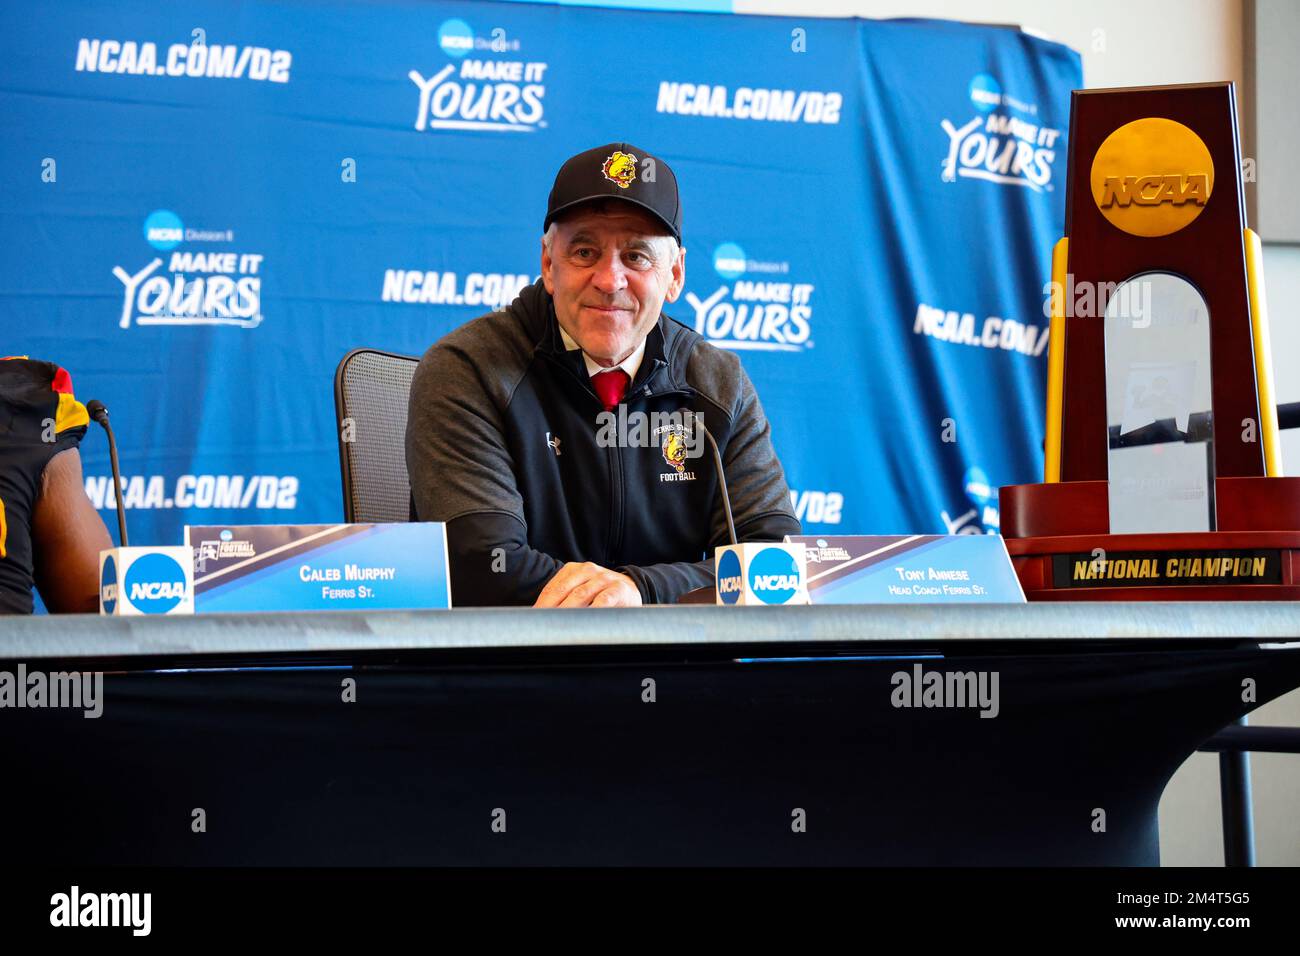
[319, 567]
[909, 569]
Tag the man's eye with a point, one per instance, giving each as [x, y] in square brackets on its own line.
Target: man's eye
[584, 253]
[639, 258]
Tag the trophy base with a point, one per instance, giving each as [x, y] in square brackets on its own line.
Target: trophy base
[1058, 536]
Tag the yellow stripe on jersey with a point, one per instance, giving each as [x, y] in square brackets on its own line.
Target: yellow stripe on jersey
[4, 529]
[71, 414]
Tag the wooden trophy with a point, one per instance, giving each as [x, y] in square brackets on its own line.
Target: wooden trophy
[1157, 312]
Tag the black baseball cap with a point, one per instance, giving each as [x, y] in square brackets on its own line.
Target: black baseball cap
[617, 171]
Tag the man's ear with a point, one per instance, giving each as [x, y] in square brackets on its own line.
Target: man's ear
[546, 269]
[678, 280]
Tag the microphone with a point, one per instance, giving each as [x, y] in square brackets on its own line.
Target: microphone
[752, 573]
[95, 408]
[722, 477]
[707, 594]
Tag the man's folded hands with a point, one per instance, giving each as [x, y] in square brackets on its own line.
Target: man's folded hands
[583, 584]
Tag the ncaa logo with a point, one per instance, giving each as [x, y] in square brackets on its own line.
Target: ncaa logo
[155, 583]
[729, 260]
[108, 586]
[456, 38]
[163, 229]
[985, 92]
[774, 576]
[729, 582]
[226, 534]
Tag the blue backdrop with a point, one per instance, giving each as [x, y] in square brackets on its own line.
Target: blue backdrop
[207, 204]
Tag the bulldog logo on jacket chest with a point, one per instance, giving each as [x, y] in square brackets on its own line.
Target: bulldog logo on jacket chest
[674, 447]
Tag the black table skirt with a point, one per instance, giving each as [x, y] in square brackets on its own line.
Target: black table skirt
[587, 773]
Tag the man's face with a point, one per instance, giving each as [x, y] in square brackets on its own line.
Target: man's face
[609, 276]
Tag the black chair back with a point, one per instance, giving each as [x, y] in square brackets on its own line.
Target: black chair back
[371, 391]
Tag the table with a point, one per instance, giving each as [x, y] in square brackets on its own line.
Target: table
[520, 737]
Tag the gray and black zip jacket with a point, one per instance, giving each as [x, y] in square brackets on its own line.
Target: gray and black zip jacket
[502, 444]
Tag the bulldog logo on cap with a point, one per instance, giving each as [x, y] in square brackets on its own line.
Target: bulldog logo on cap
[620, 169]
[609, 172]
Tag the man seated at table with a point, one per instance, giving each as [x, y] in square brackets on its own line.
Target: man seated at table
[559, 438]
[50, 534]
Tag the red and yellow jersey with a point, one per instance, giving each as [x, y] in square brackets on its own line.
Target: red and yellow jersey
[39, 417]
